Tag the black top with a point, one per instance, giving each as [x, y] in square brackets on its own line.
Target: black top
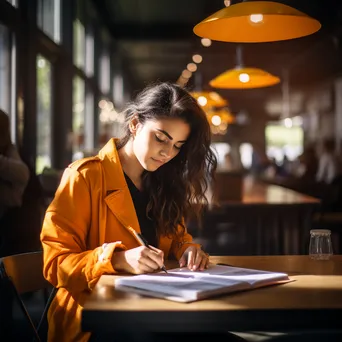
[140, 200]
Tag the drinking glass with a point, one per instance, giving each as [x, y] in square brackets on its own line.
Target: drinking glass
[320, 247]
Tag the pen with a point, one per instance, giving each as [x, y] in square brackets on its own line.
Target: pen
[139, 237]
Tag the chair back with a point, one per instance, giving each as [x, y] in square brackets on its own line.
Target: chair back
[23, 273]
[26, 271]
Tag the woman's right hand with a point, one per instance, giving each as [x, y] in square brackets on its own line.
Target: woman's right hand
[138, 260]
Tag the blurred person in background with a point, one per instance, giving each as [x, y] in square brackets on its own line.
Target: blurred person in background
[14, 176]
[14, 173]
[260, 160]
[21, 198]
[328, 163]
[307, 164]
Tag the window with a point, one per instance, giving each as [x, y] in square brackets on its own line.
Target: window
[79, 44]
[49, 18]
[284, 141]
[118, 90]
[221, 149]
[13, 2]
[5, 69]
[246, 152]
[89, 52]
[8, 77]
[104, 76]
[111, 121]
[78, 120]
[104, 64]
[84, 47]
[44, 114]
[89, 131]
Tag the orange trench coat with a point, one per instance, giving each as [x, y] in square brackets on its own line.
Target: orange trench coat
[85, 223]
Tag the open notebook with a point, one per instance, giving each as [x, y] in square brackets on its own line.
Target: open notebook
[182, 285]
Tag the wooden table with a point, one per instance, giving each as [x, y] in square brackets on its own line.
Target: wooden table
[313, 301]
[258, 192]
[269, 220]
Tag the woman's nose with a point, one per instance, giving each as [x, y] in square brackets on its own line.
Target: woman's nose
[166, 152]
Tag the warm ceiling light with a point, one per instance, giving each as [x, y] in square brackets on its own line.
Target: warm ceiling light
[216, 120]
[243, 78]
[197, 58]
[202, 101]
[206, 42]
[256, 18]
[257, 21]
[224, 114]
[212, 98]
[186, 73]
[192, 67]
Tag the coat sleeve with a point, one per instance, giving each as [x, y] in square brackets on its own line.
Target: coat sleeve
[67, 262]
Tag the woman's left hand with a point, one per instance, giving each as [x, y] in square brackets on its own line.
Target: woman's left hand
[194, 258]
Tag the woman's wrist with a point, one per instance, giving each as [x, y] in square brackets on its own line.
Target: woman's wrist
[118, 261]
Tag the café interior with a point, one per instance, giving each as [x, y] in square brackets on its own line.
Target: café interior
[272, 96]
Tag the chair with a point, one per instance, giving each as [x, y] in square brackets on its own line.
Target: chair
[23, 273]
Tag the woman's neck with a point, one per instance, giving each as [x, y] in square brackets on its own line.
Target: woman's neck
[130, 164]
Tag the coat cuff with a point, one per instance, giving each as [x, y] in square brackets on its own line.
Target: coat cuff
[104, 260]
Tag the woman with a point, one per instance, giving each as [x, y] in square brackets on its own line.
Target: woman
[148, 181]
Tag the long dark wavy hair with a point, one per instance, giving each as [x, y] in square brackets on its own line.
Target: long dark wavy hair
[177, 190]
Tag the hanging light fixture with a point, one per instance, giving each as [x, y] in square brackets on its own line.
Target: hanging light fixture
[243, 78]
[208, 99]
[219, 120]
[255, 22]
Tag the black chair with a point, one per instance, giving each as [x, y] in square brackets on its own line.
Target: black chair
[21, 274]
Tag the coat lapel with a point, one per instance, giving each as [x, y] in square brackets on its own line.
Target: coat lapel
[117, 195]
[121, 205]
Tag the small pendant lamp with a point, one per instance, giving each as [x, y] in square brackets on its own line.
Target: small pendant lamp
[208, 99]
[256, 22]
[244, 78]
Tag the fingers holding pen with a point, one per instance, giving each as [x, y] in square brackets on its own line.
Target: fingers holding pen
[138, 260]
[156, 255]
[147, 260]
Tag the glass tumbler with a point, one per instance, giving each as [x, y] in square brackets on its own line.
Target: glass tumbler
[320, 247]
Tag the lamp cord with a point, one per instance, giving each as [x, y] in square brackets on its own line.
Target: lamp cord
[239, 59]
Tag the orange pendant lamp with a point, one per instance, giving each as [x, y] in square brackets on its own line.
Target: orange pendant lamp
[224, 114]
[219, 120]
[208, 99]
[244, 78]
[255, 22]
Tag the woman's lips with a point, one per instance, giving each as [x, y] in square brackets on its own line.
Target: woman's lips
[158, 161]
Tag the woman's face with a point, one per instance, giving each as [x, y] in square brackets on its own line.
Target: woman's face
[156, 142]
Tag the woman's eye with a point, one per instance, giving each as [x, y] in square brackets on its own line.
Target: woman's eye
[160, 140]
[177, 147]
